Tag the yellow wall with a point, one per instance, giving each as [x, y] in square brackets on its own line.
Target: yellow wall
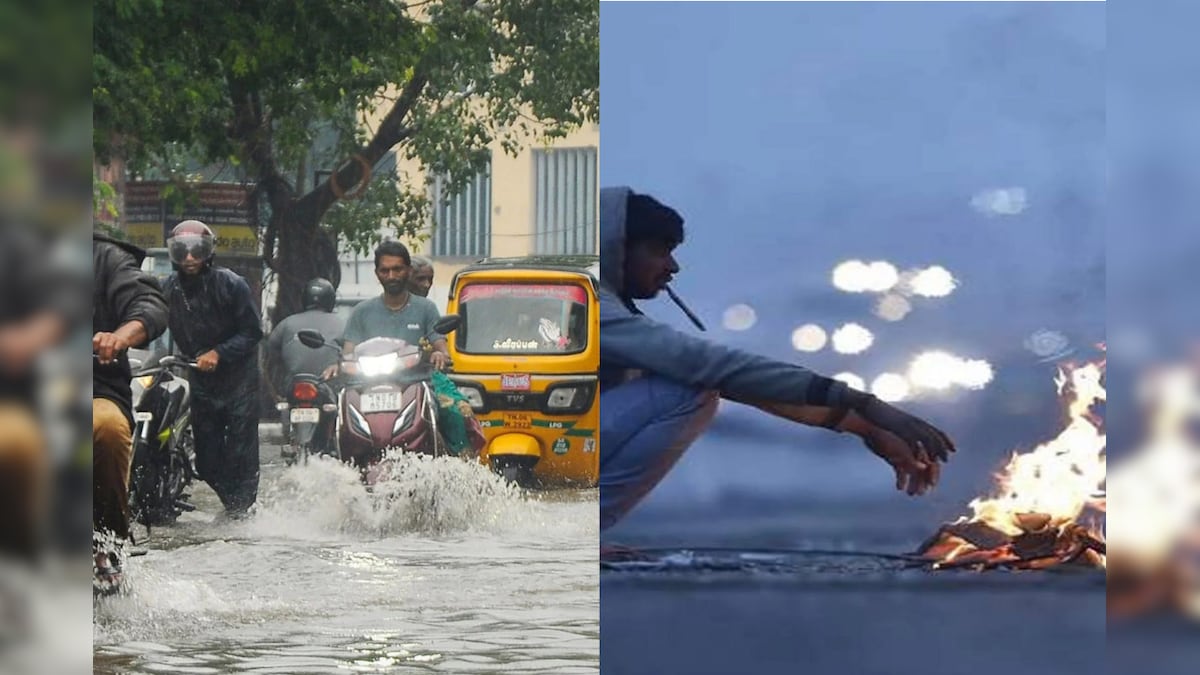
[512, 216]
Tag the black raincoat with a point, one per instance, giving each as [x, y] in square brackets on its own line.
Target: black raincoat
[215, 310]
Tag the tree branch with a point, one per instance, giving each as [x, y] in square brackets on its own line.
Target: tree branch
[391, 132]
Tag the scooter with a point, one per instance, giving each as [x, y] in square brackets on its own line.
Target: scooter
[163, 445]
[387, 401]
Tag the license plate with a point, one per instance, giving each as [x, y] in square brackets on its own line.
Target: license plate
[306, 415]
[515, 382]
[517, 421]
[143, 416]
[386, 401]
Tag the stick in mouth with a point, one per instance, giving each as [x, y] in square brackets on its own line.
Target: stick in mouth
[690, 314]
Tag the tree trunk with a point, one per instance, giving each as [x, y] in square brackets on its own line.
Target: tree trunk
[303, 252]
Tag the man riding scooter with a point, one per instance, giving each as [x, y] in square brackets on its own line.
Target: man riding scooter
[402, 315]
[297, 368]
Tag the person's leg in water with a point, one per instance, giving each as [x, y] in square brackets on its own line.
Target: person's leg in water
[228, 456]
[112, 453]
[24, 481]
[645, 426]
[208, 432]
[239, 483]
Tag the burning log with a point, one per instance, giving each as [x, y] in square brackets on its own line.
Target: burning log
[974, 544]
[1048, 496]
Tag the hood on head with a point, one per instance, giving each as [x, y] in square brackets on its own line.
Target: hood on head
[613, 204]
[138, 253]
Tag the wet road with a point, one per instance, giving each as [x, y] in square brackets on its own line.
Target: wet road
[830, 614]
[451, 572]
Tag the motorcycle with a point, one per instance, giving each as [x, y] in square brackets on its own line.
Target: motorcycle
[310, 413]
[163, 445]
[388, 402]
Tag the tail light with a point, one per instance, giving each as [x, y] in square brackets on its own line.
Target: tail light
[304, 391]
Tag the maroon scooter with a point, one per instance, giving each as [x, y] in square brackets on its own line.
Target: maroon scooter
[387, 400]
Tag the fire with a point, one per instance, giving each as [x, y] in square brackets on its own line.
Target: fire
[1052, 505]
[1048, 500]
[1060, 478]
[1156, 498]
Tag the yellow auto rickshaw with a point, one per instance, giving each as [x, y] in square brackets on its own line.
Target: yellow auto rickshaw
[526, 357]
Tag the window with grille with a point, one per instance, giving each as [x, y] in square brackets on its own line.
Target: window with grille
[462, 226]
[565, 208]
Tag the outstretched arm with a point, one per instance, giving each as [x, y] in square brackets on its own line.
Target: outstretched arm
[916, 472]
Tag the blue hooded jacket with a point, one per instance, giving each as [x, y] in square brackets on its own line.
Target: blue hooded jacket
[629, 340]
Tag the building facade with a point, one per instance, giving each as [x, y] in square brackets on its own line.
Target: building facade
[542, 201]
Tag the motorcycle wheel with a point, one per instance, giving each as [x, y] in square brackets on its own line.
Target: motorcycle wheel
[180, 467]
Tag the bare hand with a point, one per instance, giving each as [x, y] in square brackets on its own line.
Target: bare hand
[439, 360]
[330, 372]
[916, 472]
[208, 361]
[108, 345]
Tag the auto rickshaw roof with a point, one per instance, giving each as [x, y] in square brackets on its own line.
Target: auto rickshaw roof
[587, 264]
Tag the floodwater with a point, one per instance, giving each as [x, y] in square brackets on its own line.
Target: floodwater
[446, 570]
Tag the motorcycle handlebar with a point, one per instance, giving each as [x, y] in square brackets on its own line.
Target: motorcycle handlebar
[167, 362]
[173, 362]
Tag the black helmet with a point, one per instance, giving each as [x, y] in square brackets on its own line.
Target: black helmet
[191, 237]
[319, 293]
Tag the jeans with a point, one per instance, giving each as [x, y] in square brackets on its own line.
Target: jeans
[645, 426]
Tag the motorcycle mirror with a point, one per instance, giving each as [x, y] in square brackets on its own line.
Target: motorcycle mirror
[447, 324]
[311, 338]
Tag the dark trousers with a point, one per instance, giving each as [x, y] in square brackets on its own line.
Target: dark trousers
[225, 423]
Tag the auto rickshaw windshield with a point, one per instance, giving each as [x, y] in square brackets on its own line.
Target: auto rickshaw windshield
[524, 318]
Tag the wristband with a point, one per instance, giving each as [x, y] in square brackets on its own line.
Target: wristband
[835, 417]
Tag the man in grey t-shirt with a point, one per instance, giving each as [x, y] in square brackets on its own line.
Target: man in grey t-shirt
[397, 313]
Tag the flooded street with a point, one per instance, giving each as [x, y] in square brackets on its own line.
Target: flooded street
[449, 571]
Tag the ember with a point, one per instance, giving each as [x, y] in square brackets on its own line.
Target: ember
[1050, 507]
[975, 544]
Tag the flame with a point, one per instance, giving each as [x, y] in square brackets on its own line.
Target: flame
[1045, 498]
[1156, 492]
[1062, 477]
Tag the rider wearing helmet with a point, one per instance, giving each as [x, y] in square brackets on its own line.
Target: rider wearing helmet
[286, 355]
[215, 322]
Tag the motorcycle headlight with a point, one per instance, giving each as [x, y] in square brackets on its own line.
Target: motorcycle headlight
[405, 417]
[372, 366]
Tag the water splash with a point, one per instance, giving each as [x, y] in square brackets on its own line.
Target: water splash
[425, 495]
